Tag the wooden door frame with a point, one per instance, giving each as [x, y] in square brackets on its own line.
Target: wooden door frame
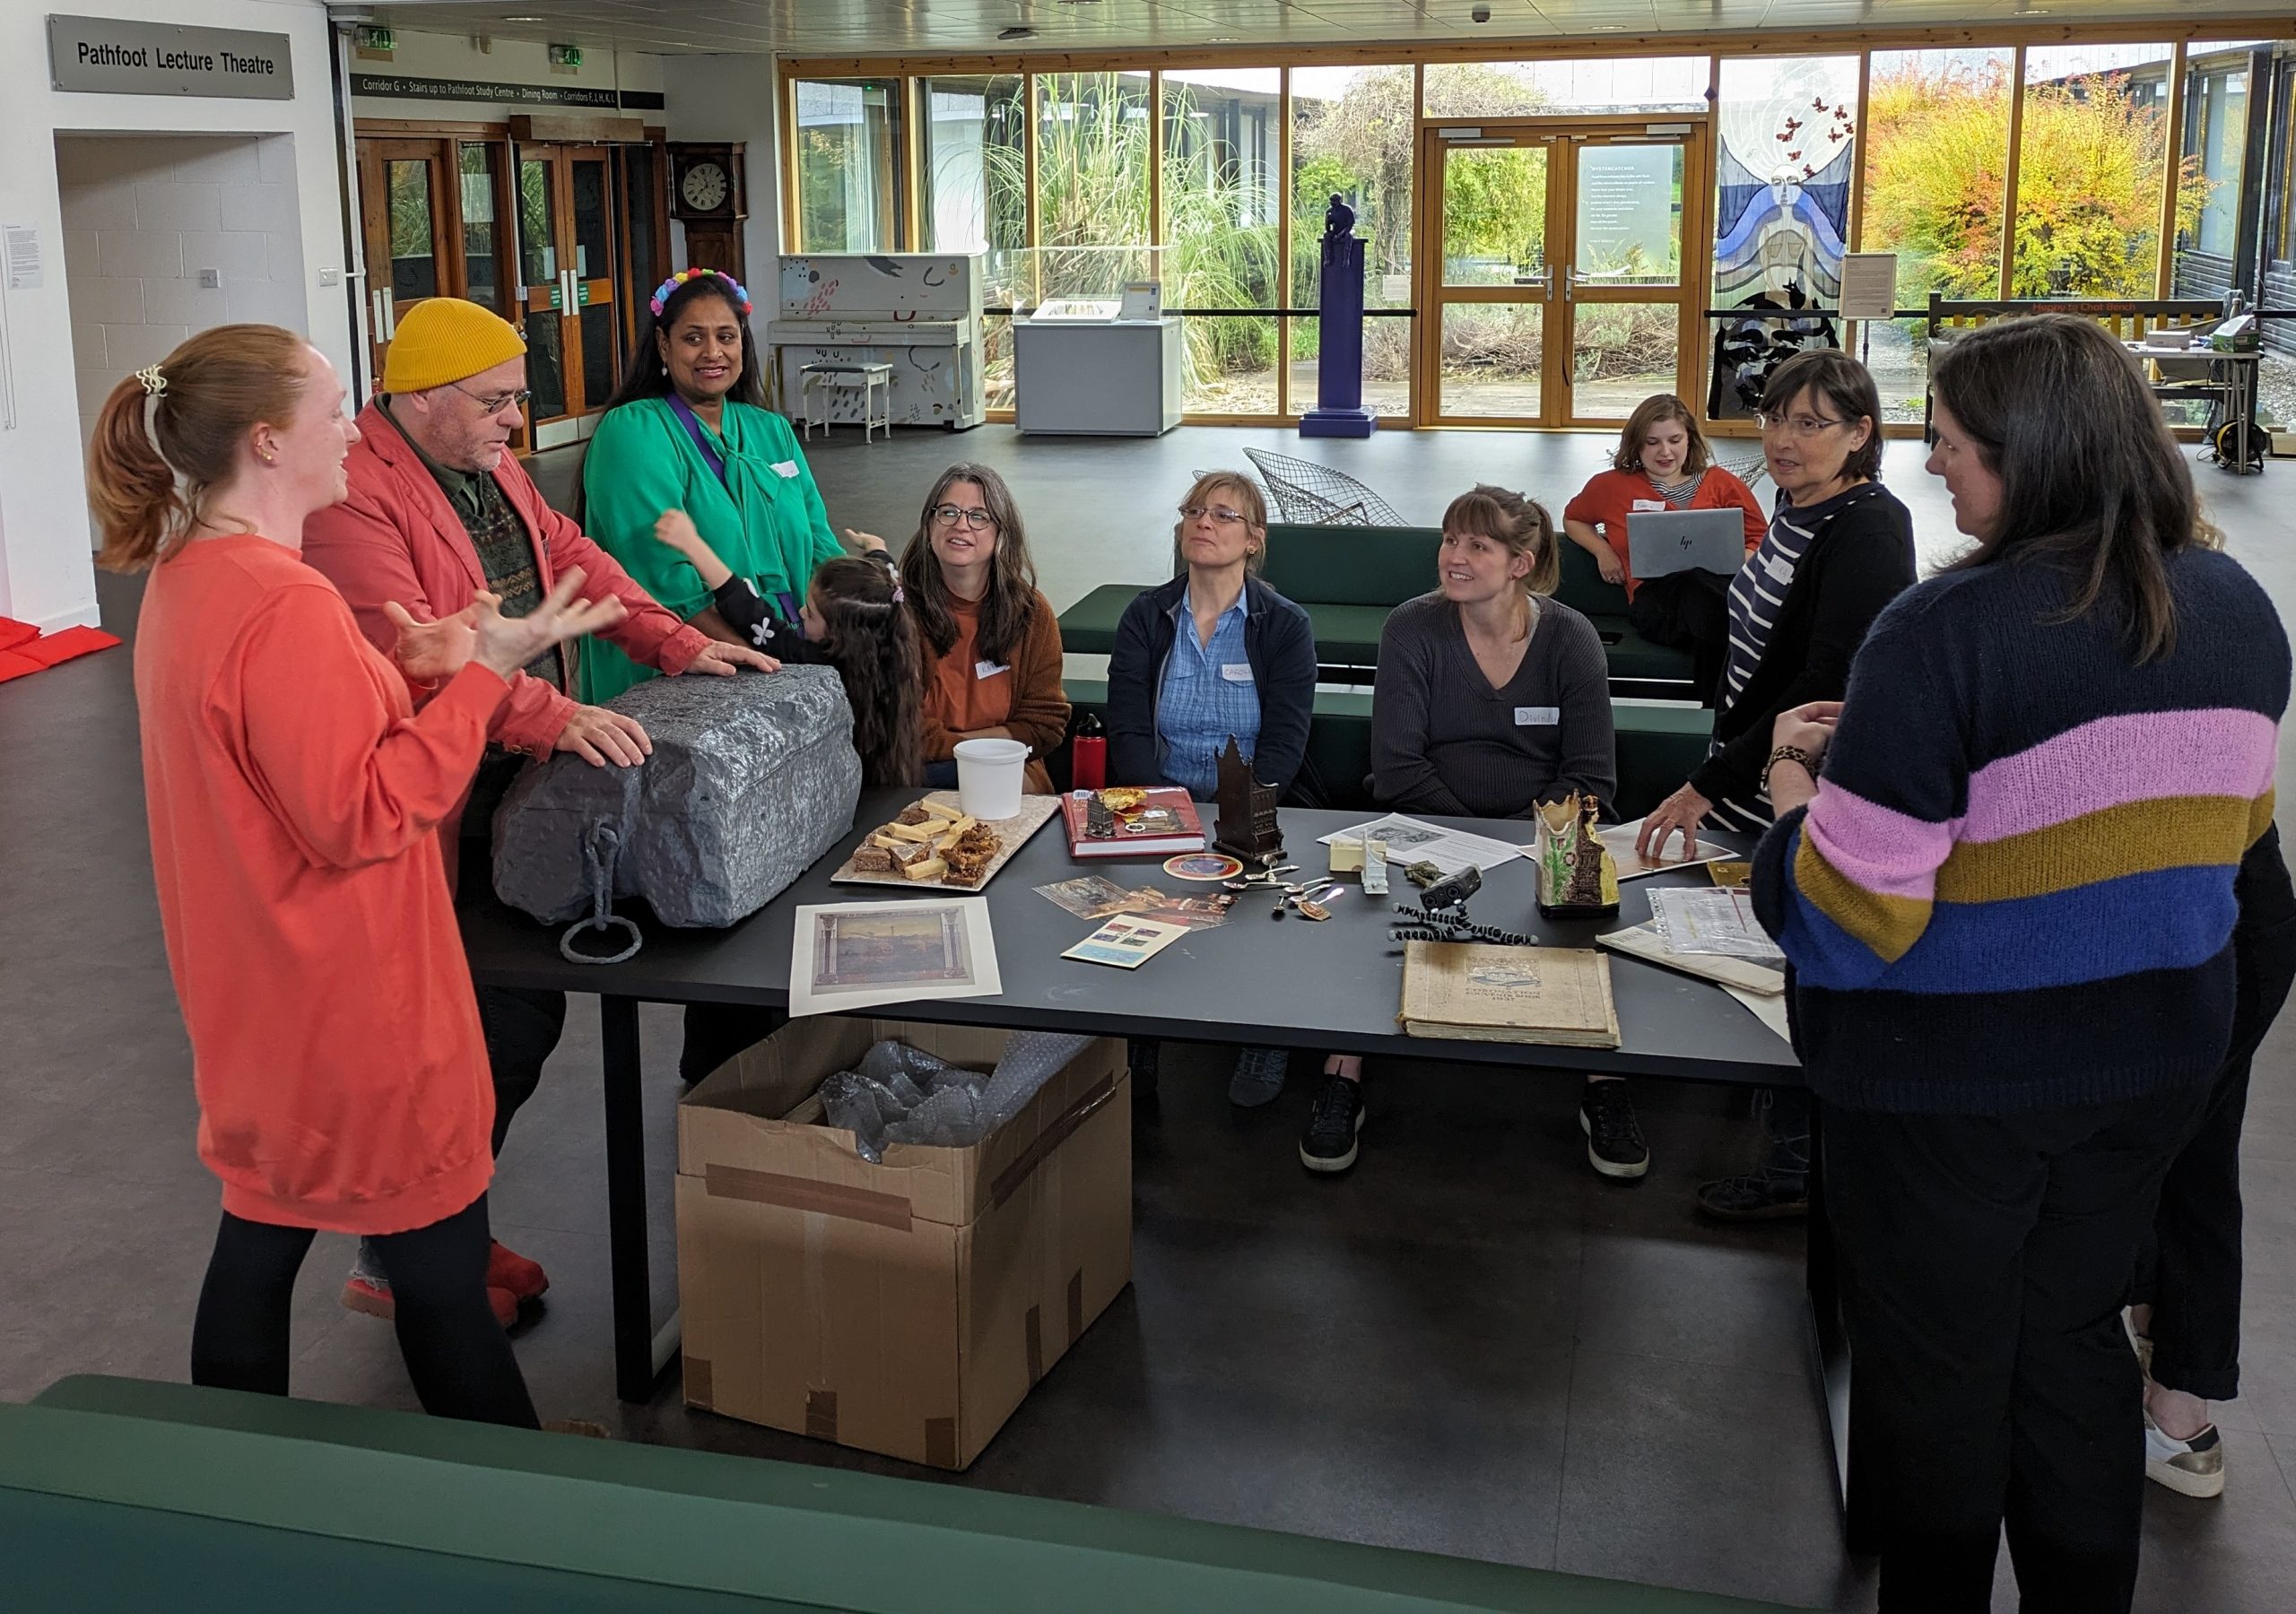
[374, 154]
[561, 158]
[1564, 137]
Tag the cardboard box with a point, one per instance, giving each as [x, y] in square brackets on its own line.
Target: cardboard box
[905, 1308]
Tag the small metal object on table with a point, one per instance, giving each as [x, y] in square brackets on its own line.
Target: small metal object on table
[1335, 994]
[821, 381]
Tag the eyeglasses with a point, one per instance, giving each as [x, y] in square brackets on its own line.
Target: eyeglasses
[1221, 514]
[948, 515]
[1797, 427]
[496, 403]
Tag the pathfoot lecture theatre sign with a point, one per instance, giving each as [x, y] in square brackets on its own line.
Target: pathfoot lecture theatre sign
[119, 56]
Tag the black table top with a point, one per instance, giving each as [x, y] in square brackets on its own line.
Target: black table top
[1332, 986]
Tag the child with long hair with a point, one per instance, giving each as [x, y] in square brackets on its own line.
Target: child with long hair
[852, 620]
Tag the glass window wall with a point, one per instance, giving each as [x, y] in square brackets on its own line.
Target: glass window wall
[1355, 135]
[1936, 192]
[848, 165]
[2092, 158]
[1222, 196]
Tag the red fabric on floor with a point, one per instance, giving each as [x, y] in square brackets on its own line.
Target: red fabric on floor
[62, 647]
[28, 652]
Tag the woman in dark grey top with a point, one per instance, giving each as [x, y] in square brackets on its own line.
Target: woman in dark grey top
[1492, 698]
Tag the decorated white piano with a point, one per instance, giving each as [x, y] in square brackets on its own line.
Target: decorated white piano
[918, 312]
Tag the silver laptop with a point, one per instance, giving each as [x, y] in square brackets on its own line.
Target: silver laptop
[1659, 542]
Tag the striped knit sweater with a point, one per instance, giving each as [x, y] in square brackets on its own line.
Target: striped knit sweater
[2014, 888]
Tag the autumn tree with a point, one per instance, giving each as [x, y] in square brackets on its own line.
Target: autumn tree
[2093, 159]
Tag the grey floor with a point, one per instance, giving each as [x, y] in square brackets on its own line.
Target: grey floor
[1471, 1345]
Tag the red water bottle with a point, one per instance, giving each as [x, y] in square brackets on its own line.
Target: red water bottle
[1088, 754]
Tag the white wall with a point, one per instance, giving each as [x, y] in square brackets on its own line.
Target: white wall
[144, 215]
[45, 574]
[476, 59]
[731, 97]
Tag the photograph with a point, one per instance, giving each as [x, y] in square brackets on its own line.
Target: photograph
[857, 955]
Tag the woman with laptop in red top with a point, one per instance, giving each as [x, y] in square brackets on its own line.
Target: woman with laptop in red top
[294, 796]
[1663, 464]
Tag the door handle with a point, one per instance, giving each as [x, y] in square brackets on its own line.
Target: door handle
[390, 313]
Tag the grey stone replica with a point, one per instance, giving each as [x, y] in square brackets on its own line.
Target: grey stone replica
[753, 779]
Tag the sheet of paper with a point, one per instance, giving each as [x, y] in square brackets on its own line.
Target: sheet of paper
[1411, 841]
[1710, 919]
[1632, 865]
[1869, 285]
[1770, 1010]
[857, 955]
[1126, 943]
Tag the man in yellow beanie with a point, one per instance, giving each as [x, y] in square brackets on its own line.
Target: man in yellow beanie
[438, 510]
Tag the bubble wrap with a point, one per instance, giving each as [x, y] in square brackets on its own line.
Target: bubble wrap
[880, 1103]
[753, 779]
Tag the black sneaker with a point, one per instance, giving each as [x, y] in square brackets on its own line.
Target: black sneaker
[1614, 1145]
[1770, 1194]
[1329, 1143]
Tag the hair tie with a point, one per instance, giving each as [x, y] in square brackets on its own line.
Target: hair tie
[662, 292]
[154, 383]
[898, 597]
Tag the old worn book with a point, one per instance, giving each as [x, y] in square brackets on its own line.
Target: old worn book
[1478, 993]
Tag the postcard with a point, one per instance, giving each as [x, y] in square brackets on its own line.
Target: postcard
[857, 955]
[1126, 943]
[1096, 897]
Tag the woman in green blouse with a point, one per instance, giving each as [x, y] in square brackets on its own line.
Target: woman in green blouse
[689, 430]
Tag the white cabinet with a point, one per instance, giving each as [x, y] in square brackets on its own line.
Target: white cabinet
[1097, 378]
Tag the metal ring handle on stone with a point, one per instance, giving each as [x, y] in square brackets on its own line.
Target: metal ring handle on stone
[599, 854]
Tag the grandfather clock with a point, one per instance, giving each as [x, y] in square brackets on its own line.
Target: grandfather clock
[709, 196]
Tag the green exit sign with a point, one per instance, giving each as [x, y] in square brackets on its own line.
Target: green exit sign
[566, 55]
[376, 39]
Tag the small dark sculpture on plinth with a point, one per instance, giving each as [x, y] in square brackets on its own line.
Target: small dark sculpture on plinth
[1248, 827]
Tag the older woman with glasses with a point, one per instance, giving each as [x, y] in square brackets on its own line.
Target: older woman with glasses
[689, 430]
[1840, 548]
[1211, 655]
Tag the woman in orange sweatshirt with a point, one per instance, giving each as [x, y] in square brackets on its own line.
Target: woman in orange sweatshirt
[989, 640]
[1663, 464]
[294, 797]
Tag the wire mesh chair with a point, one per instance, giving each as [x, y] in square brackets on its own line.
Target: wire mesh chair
[1306, 494]
[1743, 461]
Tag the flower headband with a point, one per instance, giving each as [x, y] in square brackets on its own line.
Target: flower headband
[662, 292]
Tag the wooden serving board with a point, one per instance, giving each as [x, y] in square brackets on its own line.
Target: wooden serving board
[1012, 833]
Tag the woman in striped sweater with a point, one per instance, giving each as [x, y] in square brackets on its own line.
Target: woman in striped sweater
[2009, 907]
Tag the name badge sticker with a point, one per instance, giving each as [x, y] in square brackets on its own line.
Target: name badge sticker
[1781, 569]
[1644, 506]
[987, 669]
[1538, 716]
[1236, 672]
[785, 467]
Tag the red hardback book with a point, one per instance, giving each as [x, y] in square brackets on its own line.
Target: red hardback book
[1161, 842]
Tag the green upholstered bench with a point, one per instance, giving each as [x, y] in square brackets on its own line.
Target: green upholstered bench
[1658, 745]
[1634, 659]
[1346, 578]
[1349, 578]
[122, 1494]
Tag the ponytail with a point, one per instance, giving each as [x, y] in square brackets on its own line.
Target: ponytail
[169, 435]
[869, 638]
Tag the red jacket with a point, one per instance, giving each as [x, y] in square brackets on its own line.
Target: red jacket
[396, 537]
